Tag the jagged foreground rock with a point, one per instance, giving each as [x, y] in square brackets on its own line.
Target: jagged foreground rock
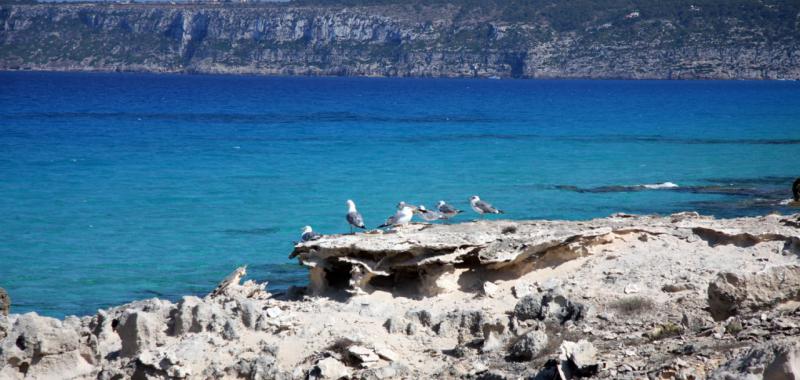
[682, 296]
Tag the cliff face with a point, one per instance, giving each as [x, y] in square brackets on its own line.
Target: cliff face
[390, 40]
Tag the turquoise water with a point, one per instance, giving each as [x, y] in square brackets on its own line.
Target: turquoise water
[115, 187]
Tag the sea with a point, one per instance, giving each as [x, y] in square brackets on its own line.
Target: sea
[118, 187]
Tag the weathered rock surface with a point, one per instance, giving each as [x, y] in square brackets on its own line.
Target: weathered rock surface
[529, 345]
[731, 293]
[578, 359]
[426, 260]
[772, 360]
[715, 299]
[5, 302]
[550, 39]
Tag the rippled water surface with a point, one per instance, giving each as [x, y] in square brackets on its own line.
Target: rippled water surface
[115, 187]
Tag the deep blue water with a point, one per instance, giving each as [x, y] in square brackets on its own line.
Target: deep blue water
[115, 187]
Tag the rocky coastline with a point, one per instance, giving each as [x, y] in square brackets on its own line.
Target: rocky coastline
[625, 297]
[395, 39]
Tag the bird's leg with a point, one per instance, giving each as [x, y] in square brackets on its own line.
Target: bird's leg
[351, 229]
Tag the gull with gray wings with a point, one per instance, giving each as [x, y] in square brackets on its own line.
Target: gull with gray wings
[401, 217]
[482, 207]
[354, 218]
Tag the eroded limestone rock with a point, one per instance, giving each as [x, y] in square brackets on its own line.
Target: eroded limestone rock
[425, 260]
[42, 347]
[528, 345]
[5, 302]
[329, 368]
[773, 360]
[578, 359]
[732, 293]
[139, 330]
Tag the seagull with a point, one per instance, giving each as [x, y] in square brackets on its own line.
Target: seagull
[447, 210]
[309, 234]
[796, 190]
[401, 217]
[429, 215]
[482, 207]
[354, 218]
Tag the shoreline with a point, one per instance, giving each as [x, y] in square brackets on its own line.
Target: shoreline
[267, 74]
[619, 297]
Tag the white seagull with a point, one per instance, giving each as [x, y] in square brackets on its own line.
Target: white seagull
[429, 215]
[482, 207]
[354, 218]
[401, 217]
[447, 210]
[309, 234]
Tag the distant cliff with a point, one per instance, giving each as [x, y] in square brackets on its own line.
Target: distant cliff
[537, 39]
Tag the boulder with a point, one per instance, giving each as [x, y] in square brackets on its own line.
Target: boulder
[462, 323]
[552, 307]
[42, 347]
[362, 355]
[772, 360]
[261, 367]
[732, 294]
[578, 359]
[495, 332]
[522, 289]
[329, 368]
[529, 307]
[395, 325]
[490, 289]
[387, 354]
[529, 345]
[138, 331]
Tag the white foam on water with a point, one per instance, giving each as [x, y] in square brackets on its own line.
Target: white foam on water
[663, 185]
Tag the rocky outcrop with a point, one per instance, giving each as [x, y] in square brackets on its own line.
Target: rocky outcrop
[39, 347]
[731, 293]
[429, 259]
[5, 302]
[772, 360]
[451, 39]
[613, 298]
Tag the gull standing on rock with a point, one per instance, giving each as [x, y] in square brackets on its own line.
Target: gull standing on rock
[429, 215]
[309, 234]
[447, 211]
[401, 217]
[354, 218]
[482, 207]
